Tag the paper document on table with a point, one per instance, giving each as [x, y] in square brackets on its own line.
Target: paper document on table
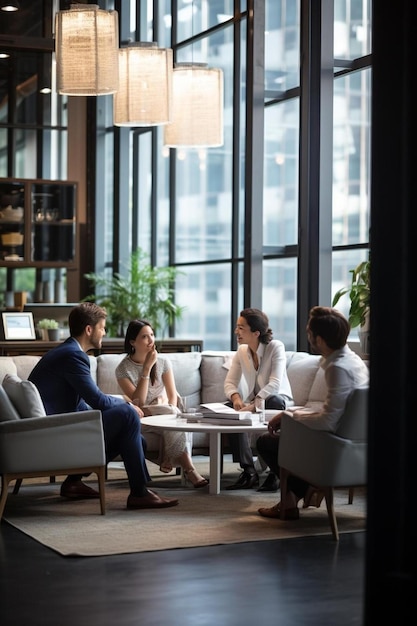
[221, 411]
[219, 407]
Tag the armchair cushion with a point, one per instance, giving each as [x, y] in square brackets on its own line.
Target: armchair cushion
[323, 459]
[328, 459]
[7, 410]
[353, 425]
[65, 441]
[25, 396]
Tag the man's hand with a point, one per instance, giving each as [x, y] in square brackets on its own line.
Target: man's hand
[274, 424]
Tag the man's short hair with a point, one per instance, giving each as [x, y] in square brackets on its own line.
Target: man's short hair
[84, 314]
[330, 324]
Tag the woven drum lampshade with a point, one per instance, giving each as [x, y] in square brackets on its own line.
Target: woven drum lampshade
[145, 86]
[197, 107]
[87, 41]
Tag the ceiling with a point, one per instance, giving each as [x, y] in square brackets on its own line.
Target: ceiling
[26, 37]
[28, 21]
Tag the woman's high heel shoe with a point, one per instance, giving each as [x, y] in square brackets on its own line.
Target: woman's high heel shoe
[313, 497]
[195, 479]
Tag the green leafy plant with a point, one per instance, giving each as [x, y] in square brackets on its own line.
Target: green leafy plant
[359, 292]
[143, 292]
[46, 324]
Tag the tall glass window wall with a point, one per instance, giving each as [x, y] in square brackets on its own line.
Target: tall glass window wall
[281, 172]
[351, 143]
[195, 217]
[196, 208]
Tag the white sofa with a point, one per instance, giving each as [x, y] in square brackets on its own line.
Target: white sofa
[199, 378]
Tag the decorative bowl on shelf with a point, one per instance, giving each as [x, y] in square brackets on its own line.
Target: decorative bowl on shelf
[13, 257]
[9, 214]
[12, 239]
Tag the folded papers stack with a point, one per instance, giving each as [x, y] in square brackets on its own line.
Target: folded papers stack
[218, 413]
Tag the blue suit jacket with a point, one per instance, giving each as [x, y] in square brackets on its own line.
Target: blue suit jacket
[64, 380]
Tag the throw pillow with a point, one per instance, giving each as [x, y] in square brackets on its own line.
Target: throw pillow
[24, 396]
[213, 373]
[7, 410]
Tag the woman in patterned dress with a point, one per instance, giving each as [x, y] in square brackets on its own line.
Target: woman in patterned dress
[146, 377]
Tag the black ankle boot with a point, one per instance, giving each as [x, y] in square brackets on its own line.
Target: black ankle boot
[270, 483]
[247, 480]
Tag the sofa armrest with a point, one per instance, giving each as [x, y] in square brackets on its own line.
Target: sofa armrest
[65, 440]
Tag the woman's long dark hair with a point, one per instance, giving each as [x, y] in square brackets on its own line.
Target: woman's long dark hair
[133, 330]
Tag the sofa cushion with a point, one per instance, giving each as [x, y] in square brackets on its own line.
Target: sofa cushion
[25, 396]
[93, 367]
[318, 389]
[106, 372]
[7, 410]
[214, 368]
[187, 375]
[7, 366]
[302, 369]
[25, 364]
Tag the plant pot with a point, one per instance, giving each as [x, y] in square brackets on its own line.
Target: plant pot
[364, 337]
[53, 334]
[364, 340]
[43, 334]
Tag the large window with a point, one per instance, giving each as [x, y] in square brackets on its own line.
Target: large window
[203, 209]
[351, 145]
[274, 218]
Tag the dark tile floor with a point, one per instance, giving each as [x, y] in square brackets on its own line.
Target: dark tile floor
[312, 581]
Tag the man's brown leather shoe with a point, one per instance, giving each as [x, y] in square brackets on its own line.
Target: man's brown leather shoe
[77, 490]
[275, 512]
[151, 501]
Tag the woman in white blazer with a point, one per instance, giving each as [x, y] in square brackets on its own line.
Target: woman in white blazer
[258, 372]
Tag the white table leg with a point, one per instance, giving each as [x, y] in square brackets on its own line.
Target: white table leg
[215, 452]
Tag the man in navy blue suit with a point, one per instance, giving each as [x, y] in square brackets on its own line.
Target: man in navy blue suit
[64, 380]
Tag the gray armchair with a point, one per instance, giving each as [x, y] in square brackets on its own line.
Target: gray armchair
[49, 445]
[327, 460]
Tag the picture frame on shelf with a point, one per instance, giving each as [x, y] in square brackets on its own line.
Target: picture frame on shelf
[18, 326]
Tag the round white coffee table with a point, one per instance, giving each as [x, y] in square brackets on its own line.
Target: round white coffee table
[171, 422]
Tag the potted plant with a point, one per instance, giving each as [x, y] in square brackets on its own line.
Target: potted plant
[143, 292]
[359, 292]
[49, 329]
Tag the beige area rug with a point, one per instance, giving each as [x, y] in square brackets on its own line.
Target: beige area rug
[76, 528]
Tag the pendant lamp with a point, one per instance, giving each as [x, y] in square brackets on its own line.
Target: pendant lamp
[9, 7]
[197, 107]
[87, 41]
[145, 85]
